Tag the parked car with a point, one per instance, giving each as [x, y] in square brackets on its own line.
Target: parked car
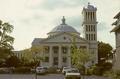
[4, 70]
[65, 69]
[73, 74]
[41, 70]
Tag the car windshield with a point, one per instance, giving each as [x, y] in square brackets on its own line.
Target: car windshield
[73, 71]
[66, 68]
[39, 68]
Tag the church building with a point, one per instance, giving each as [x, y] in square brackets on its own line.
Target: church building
[57, 46]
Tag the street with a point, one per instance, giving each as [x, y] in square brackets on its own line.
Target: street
[32, 76]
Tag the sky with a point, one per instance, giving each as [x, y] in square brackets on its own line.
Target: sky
[35, 18]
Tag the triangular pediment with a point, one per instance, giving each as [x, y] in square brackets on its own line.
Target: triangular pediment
[64, 37]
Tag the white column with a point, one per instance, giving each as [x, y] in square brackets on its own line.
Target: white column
[50, 57]
[60, 57]
[69, 57]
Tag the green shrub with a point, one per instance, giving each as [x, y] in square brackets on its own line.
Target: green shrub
[112, 74]
[89, 71]
[108, 73]
[52, 70]
[22, 70]
[97, 70]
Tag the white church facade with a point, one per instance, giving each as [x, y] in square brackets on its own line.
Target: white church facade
[57, 46]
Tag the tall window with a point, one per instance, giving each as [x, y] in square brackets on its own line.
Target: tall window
[87, 36]
[64, 59]
[94, 28]
[86, 27]
[64, 50]
[46, 59]
[91, 36]
[93, 16]
[94, 37]
[55, 60]
[86, 15]
[46, 49]
[55, 49]
[89, 27]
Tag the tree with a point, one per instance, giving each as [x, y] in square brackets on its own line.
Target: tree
[104, 52]
[32, 55]
[12, 61]
[6, 41]
[36, 50]
[79, 56]
[37, 54]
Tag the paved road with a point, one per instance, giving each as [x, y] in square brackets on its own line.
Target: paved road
[32, 76]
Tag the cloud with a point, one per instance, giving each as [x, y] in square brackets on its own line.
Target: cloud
[57, 4]
[76, 22]
[35, 18]
[62, 3]
[102, 26]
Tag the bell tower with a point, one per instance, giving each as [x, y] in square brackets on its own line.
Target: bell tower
[90, 23]
[90, 28]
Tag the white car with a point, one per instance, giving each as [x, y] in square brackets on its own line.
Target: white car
[65, 69]
[41, 70]
[73, 74]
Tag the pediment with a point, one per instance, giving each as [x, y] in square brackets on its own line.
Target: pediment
[64, 38]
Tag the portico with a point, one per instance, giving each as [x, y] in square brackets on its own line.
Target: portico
[58, 55]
